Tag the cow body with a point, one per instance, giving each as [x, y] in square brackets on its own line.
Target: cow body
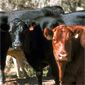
[37, 49]
[69, 54]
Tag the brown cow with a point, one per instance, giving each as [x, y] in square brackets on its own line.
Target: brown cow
[68, 48]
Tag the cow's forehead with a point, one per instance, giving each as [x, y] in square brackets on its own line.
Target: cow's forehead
[62, 34]
[62, 31]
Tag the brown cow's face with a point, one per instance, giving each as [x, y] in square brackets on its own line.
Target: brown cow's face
[62, 41]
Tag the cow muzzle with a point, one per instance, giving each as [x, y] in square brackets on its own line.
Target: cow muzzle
[16, 45]
[62, 57]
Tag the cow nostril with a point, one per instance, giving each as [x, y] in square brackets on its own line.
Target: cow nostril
[16, 44]
[63, 54]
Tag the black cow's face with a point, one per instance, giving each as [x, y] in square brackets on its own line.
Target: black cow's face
[16, 28]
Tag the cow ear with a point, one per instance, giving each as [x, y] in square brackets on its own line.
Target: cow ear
[48, 34]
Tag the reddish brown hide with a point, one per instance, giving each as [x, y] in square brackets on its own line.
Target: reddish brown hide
[62, 44]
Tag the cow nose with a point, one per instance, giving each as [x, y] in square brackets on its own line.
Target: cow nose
[62, 54]
[16, 44]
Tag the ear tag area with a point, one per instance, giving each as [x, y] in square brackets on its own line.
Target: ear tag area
[76, 36]
[31, 28]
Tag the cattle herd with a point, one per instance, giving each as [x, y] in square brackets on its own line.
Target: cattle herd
[47, 36]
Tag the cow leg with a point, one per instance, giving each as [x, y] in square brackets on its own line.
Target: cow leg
[21, 60]
[54, 70]
[21, 64]
[55, 74]
[17, 66]
[2, 67]
[39, 76]
[20, 67]
[23, 69]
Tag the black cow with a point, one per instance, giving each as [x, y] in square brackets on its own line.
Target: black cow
[4, 45]
[26, 15]
[18, 25]
[37, 49]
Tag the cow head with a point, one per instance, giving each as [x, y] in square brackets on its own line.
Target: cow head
[62, 39]
[16, 27]
[62, 43]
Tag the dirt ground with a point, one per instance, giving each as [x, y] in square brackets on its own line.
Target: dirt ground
[13, 80]
[10, 70]
[28, 81]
